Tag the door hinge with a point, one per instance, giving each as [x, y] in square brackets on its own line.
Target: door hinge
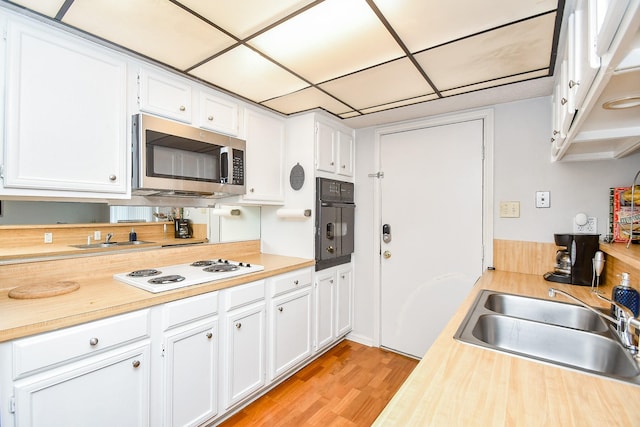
[12, 405]
[376, 175]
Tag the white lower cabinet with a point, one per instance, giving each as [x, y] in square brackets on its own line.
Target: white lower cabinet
[245, 356]
[96, 374]
[107, 390]
[290, 321]
[190, 355]
[333, 290]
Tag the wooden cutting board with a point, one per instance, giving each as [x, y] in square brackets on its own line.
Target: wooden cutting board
[43, 290]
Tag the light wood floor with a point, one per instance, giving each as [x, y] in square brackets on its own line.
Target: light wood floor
[347, 386]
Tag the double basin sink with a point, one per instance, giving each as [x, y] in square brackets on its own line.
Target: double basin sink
[111, 244]
[554, 332]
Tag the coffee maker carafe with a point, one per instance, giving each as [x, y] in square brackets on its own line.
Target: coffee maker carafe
[574, 262]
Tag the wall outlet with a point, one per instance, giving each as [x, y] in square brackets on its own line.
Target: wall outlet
[48, 237]
[97, 235]
[509, 209]
[591, 227]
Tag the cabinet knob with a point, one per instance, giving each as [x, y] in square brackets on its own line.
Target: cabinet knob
[573, 83]
[210, 118]
[280, 309]
[182, 108]
[344, 166]
[93, 342]
[209, 335]
[238, 325]
[330, 249]
[112, 177]
[331, 281]
[136, 363]
[251, 190]
[295, 282]
[332, 163]
[563, 101]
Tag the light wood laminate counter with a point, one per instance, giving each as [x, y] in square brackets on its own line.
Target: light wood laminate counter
[456, 384]
[102, 296]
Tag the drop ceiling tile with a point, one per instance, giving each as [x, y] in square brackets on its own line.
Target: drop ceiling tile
[46, 7]
[246, 73]
[334, 38]
[402, 103]
[497, 82]
[425, 24]
[306, 99]
[158, 29]
[393, 81]
[246, 17]
[518, 48]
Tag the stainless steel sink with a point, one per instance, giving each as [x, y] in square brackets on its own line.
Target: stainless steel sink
[522, 326]
[110, 244]
[541, 310]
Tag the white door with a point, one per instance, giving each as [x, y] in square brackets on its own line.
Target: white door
[431, 198]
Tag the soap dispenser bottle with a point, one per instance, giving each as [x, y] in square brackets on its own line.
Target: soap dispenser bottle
[133, 236]
[625, 295]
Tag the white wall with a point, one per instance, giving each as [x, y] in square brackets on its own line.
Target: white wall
[522, 166]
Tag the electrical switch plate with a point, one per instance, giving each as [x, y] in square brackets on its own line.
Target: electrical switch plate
[542, 199]
[591, 227]
[509, 209]
[97, 235]
[48, 237]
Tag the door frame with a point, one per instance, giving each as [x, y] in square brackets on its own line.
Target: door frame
[487, 117]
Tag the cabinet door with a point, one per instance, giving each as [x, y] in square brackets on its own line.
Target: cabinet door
[290, 337]
[246, 353]
[165, 96]
[191, 355]
[344, 302]
[107, 390]
[345, 153]
[325, 148]
[66, 128]
[265, 150]
[218, 114]
[582, 44]
[324, 309]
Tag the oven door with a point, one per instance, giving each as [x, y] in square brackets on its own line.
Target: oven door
[328, 238]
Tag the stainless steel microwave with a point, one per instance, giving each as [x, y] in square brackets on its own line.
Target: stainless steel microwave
[174, 159]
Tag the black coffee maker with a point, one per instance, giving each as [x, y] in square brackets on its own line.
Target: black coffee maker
[574, 262]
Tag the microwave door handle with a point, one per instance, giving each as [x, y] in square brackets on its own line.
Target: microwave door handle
[224, 166]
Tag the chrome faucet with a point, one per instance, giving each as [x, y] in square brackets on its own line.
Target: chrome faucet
[624, 323]
[107, 239]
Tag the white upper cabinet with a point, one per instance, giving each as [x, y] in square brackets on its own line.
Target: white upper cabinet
[264, 162]
[164, 96]
[334, 150]
[66, 120]
[220, 115]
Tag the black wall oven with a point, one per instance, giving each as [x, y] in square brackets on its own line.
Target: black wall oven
[335, 212]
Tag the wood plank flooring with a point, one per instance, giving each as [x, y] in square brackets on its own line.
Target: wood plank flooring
[347, 386]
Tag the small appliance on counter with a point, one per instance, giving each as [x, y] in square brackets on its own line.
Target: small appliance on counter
[183, 228]
[574, 262]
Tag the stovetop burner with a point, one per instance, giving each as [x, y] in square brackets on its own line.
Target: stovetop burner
[208, 262]
[216, 268]
[172, 278]
[144, 273]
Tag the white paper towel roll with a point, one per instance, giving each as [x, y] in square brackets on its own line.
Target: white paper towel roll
[294, 213]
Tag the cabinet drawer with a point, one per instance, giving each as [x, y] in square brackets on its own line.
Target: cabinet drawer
[291, 281]
[189, 309]
[244, 294]
[40, 351]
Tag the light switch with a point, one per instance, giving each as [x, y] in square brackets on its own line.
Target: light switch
[509, 209]
[542, 199]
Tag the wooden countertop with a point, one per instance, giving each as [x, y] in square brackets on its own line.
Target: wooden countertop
[102, 296]
[456, 384]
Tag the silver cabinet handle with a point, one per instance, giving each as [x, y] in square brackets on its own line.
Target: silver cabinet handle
[93, 341]
[563, 101]
[112, 177]
[182, 108]
[238, 325]
[573, 83]
[210, 118]
[209, 335]
[280, 309]
[136, 363]
[295, 282]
